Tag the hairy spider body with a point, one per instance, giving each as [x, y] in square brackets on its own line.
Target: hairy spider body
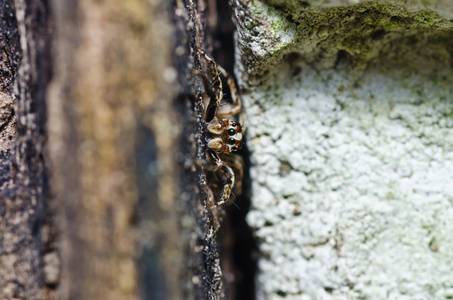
[224, 135]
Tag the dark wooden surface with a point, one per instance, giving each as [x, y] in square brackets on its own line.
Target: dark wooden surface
[100, 195]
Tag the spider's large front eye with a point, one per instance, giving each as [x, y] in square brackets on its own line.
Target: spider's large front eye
[231, 141]
[231, 131]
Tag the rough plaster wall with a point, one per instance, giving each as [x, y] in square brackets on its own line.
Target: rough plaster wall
[352, 174]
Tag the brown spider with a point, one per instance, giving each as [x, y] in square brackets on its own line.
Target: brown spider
[224, 135]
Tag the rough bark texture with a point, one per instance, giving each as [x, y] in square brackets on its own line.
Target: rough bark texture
[142, 224]
[116, 129]
[349, 114]
[23, 222]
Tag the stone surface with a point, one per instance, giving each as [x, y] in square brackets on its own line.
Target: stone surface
[267, 33]
[352, 156]
[442, 7]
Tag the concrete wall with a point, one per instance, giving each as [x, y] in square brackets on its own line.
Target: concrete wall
[352, 150]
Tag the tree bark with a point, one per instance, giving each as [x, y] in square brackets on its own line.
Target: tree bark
[24, 223]
[100, 195]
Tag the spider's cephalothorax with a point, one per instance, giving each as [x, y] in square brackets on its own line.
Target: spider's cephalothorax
[224, 135]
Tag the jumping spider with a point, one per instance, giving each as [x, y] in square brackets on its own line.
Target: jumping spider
[224, 135]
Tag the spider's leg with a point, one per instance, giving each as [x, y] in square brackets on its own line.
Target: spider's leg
[214, 89]
[235, 107]
[211, 106]
[237, 164]
[214, 163]
[228, 173]
[227, 186]
[217, 82]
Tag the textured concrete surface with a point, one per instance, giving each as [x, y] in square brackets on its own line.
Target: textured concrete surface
[352, 171]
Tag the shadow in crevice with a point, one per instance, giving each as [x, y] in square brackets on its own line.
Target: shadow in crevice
[239, 244]
[238, 247]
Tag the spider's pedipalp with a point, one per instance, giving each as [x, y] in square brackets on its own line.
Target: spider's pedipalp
[216, 144]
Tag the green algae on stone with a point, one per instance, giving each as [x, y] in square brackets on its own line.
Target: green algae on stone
[442, 7]
[319, 34]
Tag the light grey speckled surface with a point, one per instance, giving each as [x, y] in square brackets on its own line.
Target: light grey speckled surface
[353, 170]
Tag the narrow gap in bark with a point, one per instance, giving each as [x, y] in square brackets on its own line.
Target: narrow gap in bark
[238, 246]
[244, 246]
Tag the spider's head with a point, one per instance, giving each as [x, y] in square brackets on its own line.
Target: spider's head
[227, 136]
[234, 138]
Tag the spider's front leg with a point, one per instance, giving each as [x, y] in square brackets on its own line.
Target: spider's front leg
[215, 92]
[213, 87]
[235, 107]
[228, 174]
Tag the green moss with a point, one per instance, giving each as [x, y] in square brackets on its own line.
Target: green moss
[428, 17]
[361, 30]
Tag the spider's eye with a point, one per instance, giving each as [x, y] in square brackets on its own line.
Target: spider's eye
[231, 141]
[235, 148]
[231, 131]
[233, 124]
